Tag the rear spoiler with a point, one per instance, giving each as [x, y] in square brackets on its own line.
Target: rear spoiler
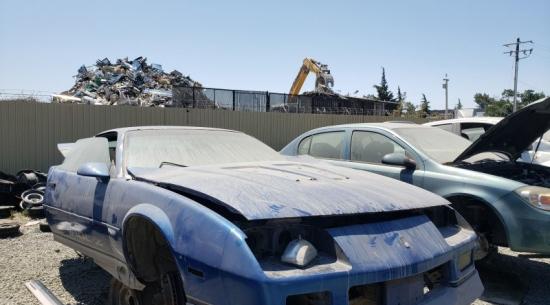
[65, 148]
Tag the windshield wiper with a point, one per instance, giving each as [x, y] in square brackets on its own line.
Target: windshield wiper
[171, 163]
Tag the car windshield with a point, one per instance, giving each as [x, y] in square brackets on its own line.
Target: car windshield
[438, 144]
[190, 147]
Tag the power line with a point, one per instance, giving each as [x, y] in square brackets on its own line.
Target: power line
[516, 52]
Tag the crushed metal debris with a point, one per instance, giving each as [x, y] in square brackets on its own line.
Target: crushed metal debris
[125, 82]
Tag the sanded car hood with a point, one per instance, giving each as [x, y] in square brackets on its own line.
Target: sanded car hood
[513, 134]
[266, 190]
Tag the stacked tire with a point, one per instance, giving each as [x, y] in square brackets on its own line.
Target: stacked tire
[32, 202]
[9, 229]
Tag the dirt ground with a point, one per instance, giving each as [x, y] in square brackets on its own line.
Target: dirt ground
[509, 277]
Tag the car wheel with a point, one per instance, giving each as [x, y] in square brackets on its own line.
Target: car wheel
[119, 294]
[167, 291]
[9, 229]
[484, 248]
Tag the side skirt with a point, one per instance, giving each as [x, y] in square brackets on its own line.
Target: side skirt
[113, 266]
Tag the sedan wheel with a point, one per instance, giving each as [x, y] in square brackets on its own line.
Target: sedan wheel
[121, 295]
[167, 291]
[483, 249]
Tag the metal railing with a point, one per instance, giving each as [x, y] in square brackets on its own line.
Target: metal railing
[264, 101]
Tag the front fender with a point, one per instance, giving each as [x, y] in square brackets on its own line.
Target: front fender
[155, 215]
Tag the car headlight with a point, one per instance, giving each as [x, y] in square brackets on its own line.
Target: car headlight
[537, 196]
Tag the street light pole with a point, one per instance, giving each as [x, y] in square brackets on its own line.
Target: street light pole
[446, 87]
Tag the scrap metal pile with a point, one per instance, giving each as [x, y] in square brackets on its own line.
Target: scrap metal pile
[125, 82]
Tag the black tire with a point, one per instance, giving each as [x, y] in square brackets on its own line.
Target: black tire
[36, 212]
[167, 291]
[44, 226]
[9, 229]
[5, 211]
[33, 198]
[27, 177]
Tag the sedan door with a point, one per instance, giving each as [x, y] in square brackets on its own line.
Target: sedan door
[367, 148]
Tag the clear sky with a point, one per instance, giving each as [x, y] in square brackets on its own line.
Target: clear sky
[260, 45]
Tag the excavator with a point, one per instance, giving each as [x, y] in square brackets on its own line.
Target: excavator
[323, 81]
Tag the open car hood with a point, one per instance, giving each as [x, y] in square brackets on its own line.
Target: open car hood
[513, 134]
[286, 189]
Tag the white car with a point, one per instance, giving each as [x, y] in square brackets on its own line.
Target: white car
[472, 128]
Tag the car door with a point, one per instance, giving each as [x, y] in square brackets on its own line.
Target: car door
[75, 202]
[367, 148]
[328, 145]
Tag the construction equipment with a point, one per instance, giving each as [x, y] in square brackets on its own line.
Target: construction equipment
[323, 82]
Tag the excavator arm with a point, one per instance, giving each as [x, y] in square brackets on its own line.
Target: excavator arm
[323, 82]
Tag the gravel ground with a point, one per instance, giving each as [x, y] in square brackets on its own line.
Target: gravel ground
[507, 276]
[34, 255]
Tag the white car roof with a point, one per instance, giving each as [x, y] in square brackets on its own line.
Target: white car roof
[486, 120]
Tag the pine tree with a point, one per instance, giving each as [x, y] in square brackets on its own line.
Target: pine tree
[382, 90]
[424, 106]
[401, 101]
[459, 105]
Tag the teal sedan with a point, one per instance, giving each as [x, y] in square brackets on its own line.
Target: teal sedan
[507, 202]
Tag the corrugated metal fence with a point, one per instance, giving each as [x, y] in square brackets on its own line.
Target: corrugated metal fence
[30, 131]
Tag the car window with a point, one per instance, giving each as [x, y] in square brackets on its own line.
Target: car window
[84, 151]
[112, 141]
[371, 147]
[473, 133]
[303, 148]
[446, 127]
[326, 145]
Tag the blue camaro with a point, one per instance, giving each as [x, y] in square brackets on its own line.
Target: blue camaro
[212, 216]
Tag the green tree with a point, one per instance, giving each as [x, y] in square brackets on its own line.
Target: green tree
[504, 105]
[458, 105]
[483, 99]
[400, 100]
[382, 90]
[409, 107]
[424, 106]
[528, 96]
[501, 107]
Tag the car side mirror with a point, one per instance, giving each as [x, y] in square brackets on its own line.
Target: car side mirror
[399, 160]
[94, 169]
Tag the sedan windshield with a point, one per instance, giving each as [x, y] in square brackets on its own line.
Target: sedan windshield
[438, 144]
[189, 147]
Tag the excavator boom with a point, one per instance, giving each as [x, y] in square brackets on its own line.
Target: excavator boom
[323, 82]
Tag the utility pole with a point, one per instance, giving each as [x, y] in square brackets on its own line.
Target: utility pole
[516, 53]
[446, 87]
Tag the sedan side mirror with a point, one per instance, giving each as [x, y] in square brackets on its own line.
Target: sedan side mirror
[399, 159]
[94, 169]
